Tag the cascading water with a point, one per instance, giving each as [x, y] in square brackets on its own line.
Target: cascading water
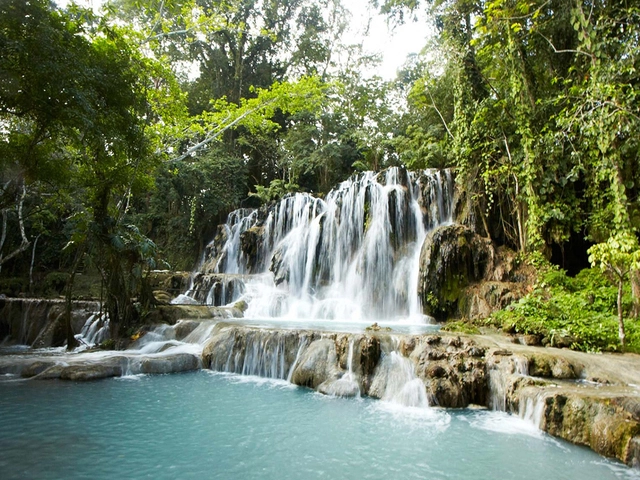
[351, 256]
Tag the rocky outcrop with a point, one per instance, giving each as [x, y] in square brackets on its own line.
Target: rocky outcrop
[462, 275]
[452, 258]
[170, 314]
[585, 399]
[216, 289]
[39, 323]
[548, 388]
[553, 388]
[450, 369]
[317, 364]
[95, 366]
[453, 369]
[252, 243]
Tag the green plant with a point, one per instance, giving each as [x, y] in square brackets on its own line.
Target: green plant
[580, 312]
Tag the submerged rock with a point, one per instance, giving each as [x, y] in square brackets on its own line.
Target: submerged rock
[343, 387]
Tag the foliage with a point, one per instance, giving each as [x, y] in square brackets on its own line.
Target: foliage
[580, 309]
[617, 257]
[535, 103]
[189, 199]
[276, 190]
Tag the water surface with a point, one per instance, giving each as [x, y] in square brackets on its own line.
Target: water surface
[207, 425]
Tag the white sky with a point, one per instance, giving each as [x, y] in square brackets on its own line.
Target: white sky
[393, 44]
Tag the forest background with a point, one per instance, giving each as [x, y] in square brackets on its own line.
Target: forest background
[127, 135]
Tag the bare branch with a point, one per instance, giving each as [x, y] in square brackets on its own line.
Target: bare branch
[433, 104]
[220, 131]
[555, 50]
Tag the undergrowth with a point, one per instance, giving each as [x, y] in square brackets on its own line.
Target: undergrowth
[580, 310]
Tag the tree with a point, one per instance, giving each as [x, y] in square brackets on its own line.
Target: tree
[617, 257]
[79, 102]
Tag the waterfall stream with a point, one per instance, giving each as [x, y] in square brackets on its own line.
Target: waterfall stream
[354, 255]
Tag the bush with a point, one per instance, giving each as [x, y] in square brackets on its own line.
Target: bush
[582, 309]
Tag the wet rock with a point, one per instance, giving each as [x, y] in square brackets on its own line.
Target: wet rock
[184, 328]
[592, 421]
[317, 364]
[633, 453]
[532, 340]
[452, 377]
[181, 362]
[343, 387]
[453, 341]
[435, 371]
[436, 355]
[562, 341]
[502, 353]
[279, 267]
[90, 371]
[39, 322]
[36, 368]
[162, 297]
[452, 258]
[551, 366]
[369, 358]
[432, 339]
[252, 243]
[476, 351]
[480, 300]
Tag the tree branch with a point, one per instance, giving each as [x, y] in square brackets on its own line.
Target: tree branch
[219, 132]
[25, 241]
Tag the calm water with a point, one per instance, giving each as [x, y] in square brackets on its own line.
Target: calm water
[204, 425]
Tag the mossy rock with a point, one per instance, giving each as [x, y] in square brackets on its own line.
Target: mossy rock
[452, 258]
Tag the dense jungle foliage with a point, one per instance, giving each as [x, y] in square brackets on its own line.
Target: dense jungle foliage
[127, 135]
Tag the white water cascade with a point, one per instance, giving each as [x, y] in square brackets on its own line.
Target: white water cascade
[352, 256]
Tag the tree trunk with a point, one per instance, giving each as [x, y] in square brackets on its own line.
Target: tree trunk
[621, 333]
[635, 290]
[71, 339]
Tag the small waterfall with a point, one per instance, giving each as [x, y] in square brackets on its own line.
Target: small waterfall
[531, 408]
[395, 382]
[95, 330]
[303, 344]
[353, 255]
[260, 353]
[505, 376]
[232, 259]
[347, 385]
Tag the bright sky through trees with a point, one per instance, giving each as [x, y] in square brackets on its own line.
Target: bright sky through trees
[368, 27]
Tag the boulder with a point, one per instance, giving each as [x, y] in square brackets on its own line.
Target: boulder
[91, 371]
[252, 244]
[343, 387]
[179, 362]
[317, 364]
[452, 258]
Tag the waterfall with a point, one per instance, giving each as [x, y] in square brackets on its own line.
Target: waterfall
[396, 382]
[353, 255]
[95, 330]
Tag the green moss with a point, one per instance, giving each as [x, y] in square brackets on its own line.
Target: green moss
[461, 326]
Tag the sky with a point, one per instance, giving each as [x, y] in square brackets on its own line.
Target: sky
[394, 44]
